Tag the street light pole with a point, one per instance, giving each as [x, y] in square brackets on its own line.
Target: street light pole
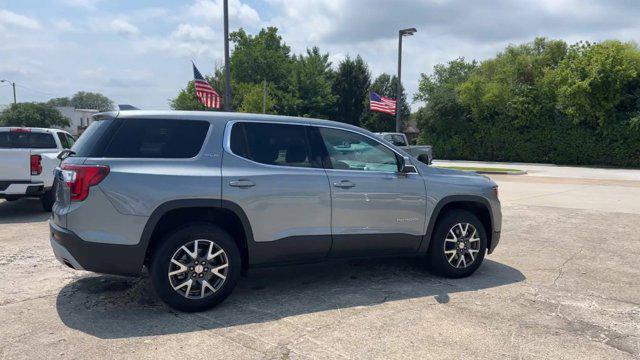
[227, 66]
[401, 33]
[13, 84]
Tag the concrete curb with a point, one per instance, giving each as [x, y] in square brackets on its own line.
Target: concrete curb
[521, 172]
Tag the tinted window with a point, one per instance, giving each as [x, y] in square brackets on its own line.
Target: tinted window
[63, 141]
[157, 138]
[90, 137]
[272, 144]
[32, 140]
[397, 140]
[70, 140]
[351, 151]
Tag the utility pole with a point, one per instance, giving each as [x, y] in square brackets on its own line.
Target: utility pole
[401, 33]
[227, 66]
[13, 84]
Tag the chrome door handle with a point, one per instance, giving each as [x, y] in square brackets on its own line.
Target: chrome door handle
[345, 184]
[242, 183]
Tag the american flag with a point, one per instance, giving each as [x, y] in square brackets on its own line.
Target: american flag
[382, 104]
[206, 95]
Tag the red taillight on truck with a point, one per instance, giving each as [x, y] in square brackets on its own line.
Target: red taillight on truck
[36, 164]
[80, 178]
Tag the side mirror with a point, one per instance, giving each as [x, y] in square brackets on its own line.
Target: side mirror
[405, 166]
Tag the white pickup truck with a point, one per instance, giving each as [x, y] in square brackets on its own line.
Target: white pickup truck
[28, 157]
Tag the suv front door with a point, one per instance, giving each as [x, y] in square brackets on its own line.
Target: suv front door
[268, 169]
[375, 209]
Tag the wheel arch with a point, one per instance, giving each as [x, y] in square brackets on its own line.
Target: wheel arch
[170, 215]
[475, 204]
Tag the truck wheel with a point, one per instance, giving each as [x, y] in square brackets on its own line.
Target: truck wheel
[47, 200]
[196, 267]
[458, 244]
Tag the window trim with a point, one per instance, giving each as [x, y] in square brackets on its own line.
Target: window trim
[226, 144]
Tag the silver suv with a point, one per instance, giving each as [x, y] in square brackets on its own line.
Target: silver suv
[199, 197]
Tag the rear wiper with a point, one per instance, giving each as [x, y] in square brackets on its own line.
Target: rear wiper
[65, 154]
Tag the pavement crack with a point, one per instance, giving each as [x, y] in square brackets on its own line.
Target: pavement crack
[562, 267]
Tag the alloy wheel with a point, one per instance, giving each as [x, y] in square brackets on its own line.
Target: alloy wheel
[462, 245]
[198, 269]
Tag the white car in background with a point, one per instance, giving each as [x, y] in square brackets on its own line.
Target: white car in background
[28, 157]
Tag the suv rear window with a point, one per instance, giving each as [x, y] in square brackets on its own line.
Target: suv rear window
[91, 137]
[157, 138]
[32, 140]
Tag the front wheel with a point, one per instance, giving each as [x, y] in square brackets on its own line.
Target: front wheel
[196, 267]
[458, 244]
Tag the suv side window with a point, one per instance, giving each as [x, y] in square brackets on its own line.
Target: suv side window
[351, 151]
[157, 138]
[272, 144]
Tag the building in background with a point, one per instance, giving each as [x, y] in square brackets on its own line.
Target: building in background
[79, 119]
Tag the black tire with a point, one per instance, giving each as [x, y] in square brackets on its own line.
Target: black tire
[171, 243]
[48, 199]
[439, 261]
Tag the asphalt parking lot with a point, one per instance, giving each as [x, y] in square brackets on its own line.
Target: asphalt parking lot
[564, 283]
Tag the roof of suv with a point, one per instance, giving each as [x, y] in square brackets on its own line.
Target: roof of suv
[223, 116]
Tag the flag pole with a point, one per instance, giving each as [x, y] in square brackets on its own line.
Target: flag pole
[227, 66]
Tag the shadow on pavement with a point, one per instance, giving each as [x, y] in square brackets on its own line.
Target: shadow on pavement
[22, 211]
[110, 307]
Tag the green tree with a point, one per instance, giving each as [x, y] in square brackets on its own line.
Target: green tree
[261, 57]
[444, 121]
[33, 115]
[84, 100]
[60, 101]
[310, 86]
[253, 98]
[386, 85]
[541, 101]
[595, 82]
[351, 86]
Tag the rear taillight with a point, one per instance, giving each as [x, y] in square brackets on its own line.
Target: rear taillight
[80, 178]
[20, 130]
[36, 164]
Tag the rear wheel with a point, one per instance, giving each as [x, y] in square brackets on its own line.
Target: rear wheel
[458, 245]
[47, 199]
[196, 267]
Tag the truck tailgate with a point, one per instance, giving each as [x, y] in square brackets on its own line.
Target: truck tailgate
[15, 164]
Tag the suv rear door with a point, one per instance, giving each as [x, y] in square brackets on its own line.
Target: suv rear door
[375, 210]
[270, 171]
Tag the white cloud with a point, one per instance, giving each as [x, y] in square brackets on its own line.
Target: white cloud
[192, 32]
[85, 4]
[123, 27]
[63, 25]
[240, 13]
[10, 19]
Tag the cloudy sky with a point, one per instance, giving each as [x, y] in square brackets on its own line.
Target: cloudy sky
[138, 52]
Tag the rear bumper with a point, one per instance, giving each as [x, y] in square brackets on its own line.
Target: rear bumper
[24, 188]
[495, 239]
[76, 253]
